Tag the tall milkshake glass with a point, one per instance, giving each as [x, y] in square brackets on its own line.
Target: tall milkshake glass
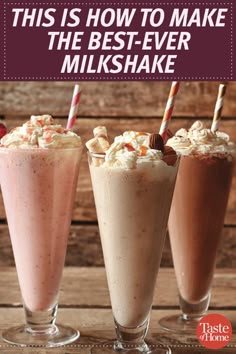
[38, 187]
[196, 219]
[132, 206]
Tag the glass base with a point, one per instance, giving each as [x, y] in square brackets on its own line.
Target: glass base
[178, 324]
[114, 347]
[53, 336]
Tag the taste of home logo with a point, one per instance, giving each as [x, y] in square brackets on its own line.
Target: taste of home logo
[214, 331]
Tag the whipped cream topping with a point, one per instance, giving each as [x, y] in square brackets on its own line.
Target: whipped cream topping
[130, 149]
[40, 132]
[200, 140]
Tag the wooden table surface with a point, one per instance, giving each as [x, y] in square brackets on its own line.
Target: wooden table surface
[85, 305]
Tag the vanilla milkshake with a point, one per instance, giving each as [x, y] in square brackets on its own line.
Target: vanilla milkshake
[198, 207]
[39, 166]
[133, 186]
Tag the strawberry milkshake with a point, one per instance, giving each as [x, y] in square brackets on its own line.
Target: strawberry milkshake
[39, 166]
[133, 184]
[197, 213]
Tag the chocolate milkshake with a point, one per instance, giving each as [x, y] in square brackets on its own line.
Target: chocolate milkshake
[198, 210]
[39, 165]
[133, 186]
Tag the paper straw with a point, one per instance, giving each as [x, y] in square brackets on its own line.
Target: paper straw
[218, 108]
[74, 107]
[169, 109]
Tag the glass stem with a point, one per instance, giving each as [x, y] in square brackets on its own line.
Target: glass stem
[130, 338]
[194, 311]
[41, 321]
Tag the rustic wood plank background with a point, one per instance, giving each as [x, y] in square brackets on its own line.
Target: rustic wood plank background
[80, 284]
[120, 106]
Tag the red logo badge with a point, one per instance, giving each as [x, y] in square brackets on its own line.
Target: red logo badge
[214, 331]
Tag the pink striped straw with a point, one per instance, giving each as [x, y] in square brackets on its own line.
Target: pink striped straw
[169, 109]
[218, 108]
[74, 107]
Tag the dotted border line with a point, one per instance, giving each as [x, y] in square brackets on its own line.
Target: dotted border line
[4, 40]
[118, 3]
[231, 38]
[186, 346]
[230, 77]
[134, 78]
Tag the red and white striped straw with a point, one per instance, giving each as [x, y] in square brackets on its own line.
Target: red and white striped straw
[74, 107]
[218, 108]
[169, 109]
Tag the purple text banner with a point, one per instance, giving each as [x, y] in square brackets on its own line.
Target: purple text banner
[189, 40]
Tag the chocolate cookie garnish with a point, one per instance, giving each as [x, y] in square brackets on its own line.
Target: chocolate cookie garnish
[170, 156]
[156, 142]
